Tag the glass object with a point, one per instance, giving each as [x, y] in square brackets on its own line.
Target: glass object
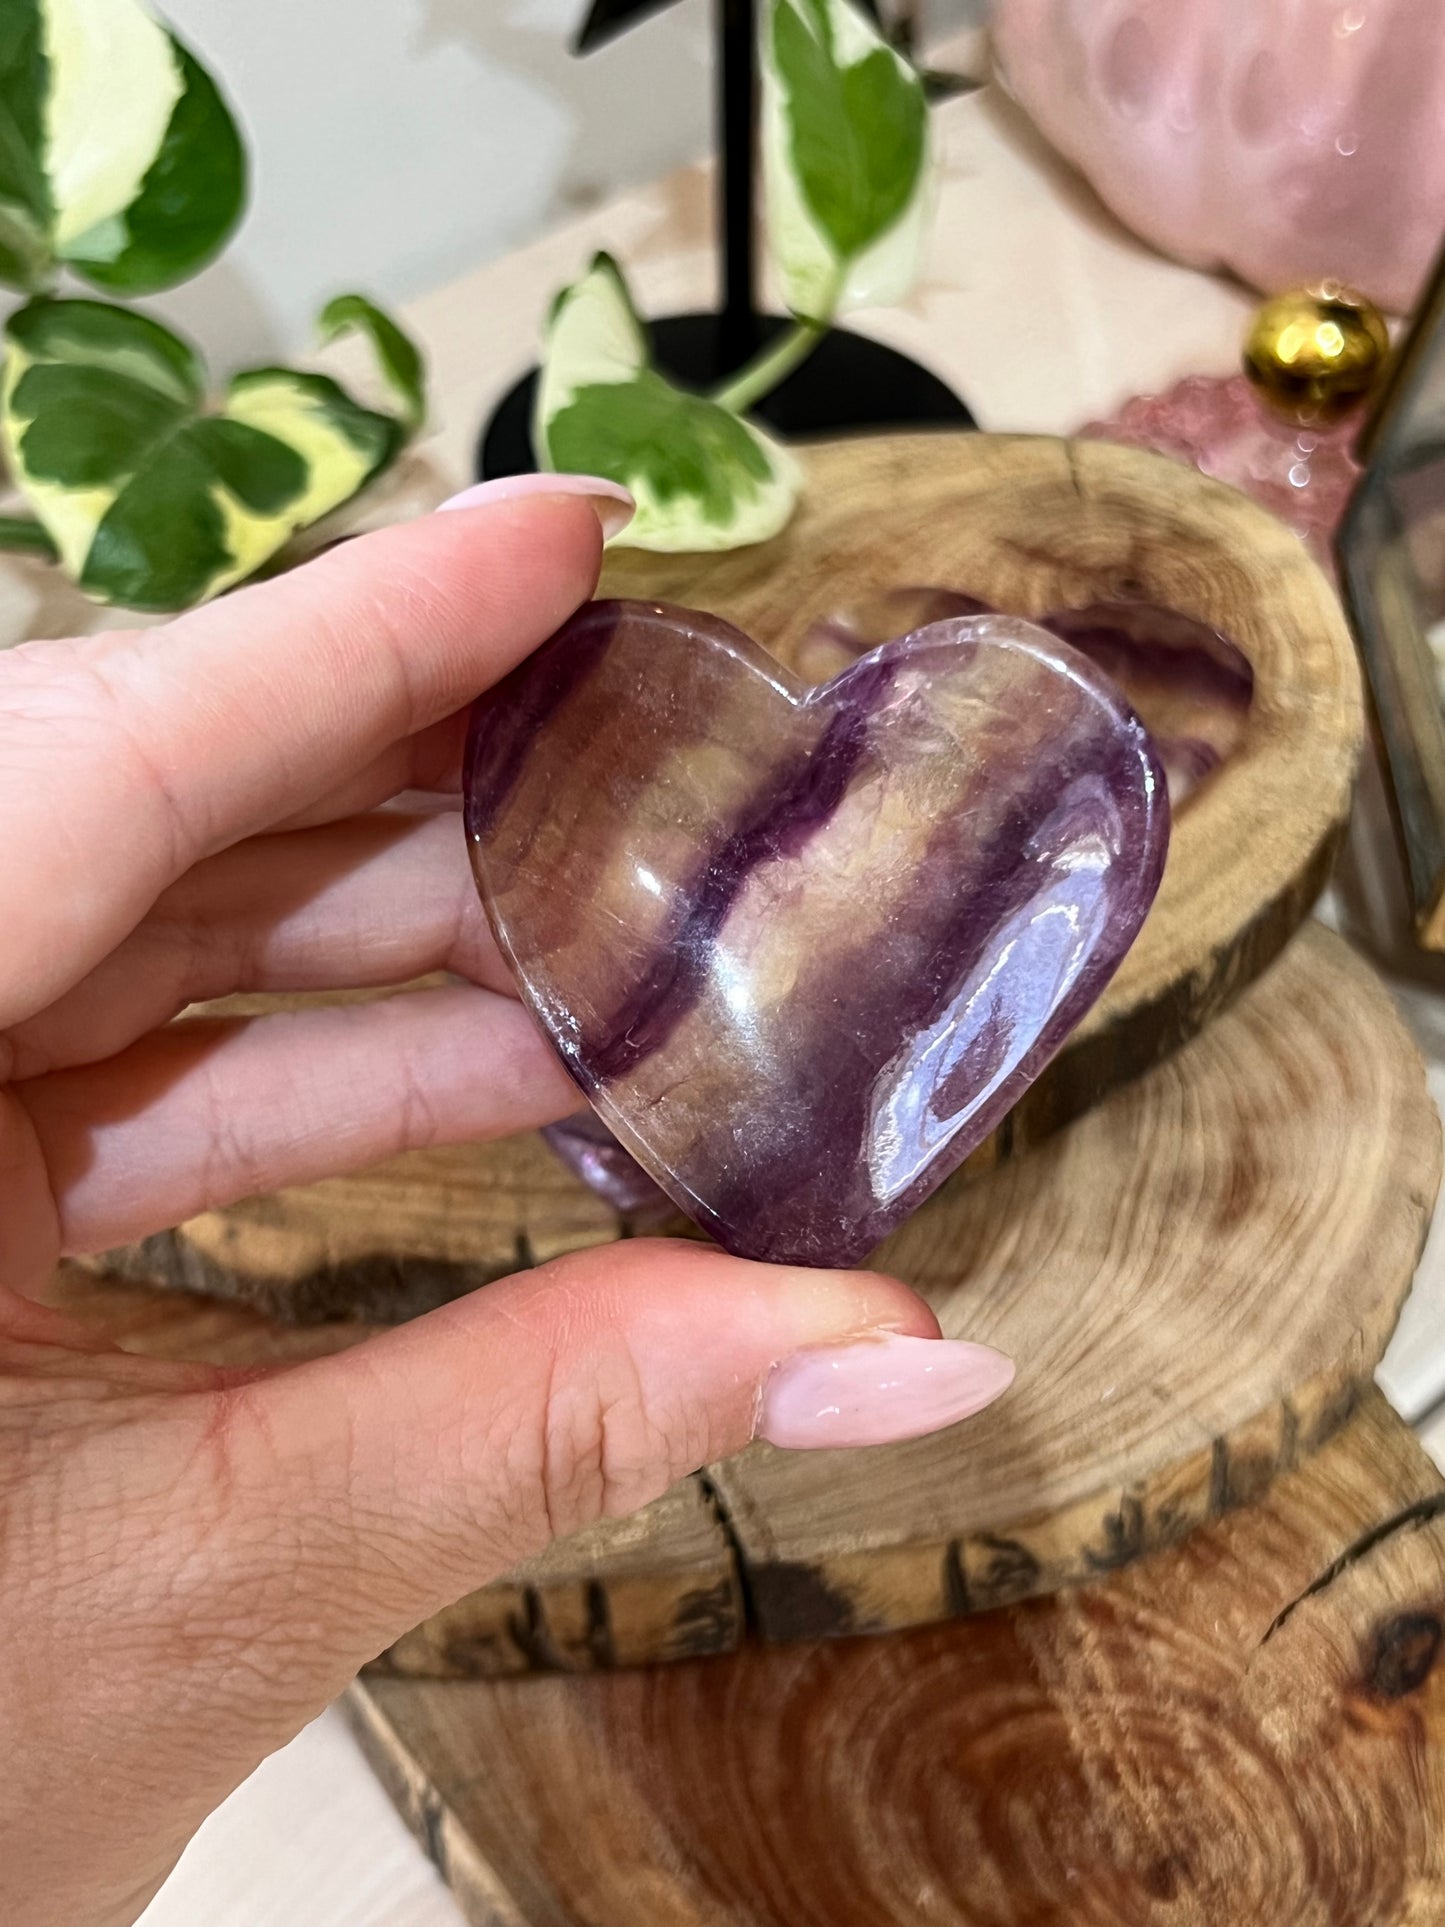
[1391, 549]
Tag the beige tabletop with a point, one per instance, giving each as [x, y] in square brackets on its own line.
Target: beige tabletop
[1042, 313]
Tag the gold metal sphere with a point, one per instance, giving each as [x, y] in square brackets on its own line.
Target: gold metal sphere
[1315, 353]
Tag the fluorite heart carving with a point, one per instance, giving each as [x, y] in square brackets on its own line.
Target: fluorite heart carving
[803, 948]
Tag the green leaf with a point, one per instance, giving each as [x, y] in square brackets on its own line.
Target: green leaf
[88, 426]
[150, 500]
[93, 334]
[25, 207]
[845, 151]
[170, 536]
[344, 444]
[703, 477]
[118, 156]
[190, 201]
[682, 453]
[24, 535]
[397, 355]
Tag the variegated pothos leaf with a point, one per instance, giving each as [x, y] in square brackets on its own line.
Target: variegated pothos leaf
[845, 147]
[119, 159]
[703, 477]
[153, 500]
[397, 358]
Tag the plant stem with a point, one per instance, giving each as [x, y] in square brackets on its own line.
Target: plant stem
[23, 532]
[763, 373]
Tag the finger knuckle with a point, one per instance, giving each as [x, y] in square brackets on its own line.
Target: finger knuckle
[603, 1450]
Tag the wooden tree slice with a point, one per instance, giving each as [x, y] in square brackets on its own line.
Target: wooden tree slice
[1196, 1279]
[1031, 524]
[1250, 1728]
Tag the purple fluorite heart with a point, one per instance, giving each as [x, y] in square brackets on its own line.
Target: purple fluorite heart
[803, 948]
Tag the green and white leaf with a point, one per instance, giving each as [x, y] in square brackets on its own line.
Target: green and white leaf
[118, 156]
[703, 477]
[398, 358]
[153, 501]
[846, 158]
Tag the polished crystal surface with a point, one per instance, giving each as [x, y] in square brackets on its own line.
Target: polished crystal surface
[1189, 685]
[803, 948]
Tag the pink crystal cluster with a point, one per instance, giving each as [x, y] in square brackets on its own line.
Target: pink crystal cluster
[1217, 424]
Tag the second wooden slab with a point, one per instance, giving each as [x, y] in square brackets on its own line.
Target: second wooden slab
[1249, 1732]
[1197, 1281]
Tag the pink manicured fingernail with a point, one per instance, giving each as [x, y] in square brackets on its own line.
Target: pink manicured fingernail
[878, 1390]
[612, 504]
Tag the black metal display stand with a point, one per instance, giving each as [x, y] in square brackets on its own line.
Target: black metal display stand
[847, 383]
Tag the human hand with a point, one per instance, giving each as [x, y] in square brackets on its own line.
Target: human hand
[194, 1561]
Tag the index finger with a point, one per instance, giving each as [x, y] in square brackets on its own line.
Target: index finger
[126, 758]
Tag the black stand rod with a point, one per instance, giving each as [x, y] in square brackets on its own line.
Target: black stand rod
[737, 141]
[848, 383]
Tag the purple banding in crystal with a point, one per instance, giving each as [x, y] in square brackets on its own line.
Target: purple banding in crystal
[1190, 685]
[801, 797]
[803, 948]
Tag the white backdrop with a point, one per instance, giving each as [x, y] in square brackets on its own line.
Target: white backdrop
[396, 142]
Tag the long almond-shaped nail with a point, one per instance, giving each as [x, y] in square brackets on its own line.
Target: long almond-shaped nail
[611, 502]
[878, 1390]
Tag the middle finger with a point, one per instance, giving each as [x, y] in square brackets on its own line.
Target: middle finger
[367, 902]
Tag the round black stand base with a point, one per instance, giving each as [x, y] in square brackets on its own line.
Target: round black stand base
[848, 384]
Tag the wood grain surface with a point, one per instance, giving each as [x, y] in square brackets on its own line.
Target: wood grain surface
[1196, 1279]
[1247, 1729]
[1032, 524]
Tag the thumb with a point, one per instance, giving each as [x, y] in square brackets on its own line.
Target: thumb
[419, 1466]
[215, 1557]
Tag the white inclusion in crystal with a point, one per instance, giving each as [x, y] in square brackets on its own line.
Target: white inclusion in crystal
[730, 974]
[1033, 961]
[1091, 852]
[648, 881]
